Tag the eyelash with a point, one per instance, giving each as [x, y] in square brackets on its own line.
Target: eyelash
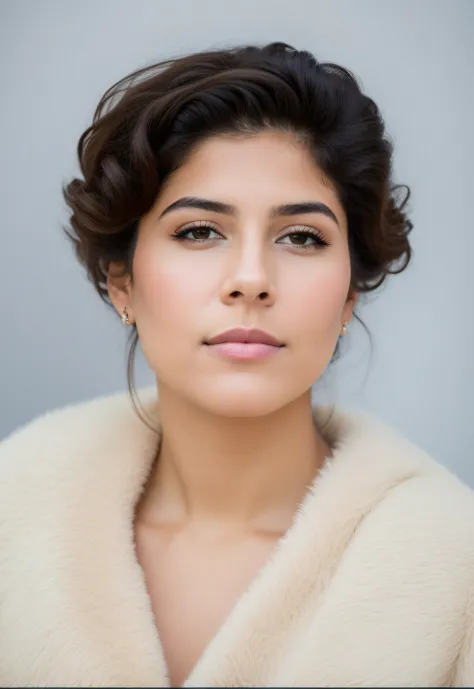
[203, 225]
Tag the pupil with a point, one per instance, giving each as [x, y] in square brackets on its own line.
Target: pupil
[302, 238]
[200, 231]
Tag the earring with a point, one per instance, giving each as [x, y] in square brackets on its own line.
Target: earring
[125, 320]
[344, 329]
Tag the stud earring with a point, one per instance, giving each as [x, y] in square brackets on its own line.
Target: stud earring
[125, 320]
[344, 329]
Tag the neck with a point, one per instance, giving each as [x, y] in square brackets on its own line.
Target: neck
[223, 473]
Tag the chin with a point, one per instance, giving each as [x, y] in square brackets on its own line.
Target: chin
[243, 403]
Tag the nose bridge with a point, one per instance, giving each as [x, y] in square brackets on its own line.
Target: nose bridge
[252, 257]
[250, 269]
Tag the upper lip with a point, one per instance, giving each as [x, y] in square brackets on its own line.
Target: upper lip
[245, 335]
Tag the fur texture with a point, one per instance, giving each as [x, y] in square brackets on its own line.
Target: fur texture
[372, 586]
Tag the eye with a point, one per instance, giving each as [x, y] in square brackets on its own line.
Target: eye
[199, 228]
[307, 233]
[203, 227]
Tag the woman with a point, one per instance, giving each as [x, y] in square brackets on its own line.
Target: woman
[235, 204]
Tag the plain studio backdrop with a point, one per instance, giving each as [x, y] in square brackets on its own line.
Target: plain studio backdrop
[60, 344]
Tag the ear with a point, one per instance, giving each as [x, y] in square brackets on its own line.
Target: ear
[119, 289]
[350, 306]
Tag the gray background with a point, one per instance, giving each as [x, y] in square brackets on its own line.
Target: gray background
[60, 344]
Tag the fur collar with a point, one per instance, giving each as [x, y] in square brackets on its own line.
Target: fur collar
[69, 483]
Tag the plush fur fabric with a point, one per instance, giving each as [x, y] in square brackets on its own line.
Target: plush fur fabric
[372, 586]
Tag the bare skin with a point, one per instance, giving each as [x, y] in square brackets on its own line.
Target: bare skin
[194, 581]
[239, 443]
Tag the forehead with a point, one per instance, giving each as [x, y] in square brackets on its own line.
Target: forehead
[251, 171]
[279, 154]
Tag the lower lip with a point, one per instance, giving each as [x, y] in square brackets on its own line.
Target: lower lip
[244, 350]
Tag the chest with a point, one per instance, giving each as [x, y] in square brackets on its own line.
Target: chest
[193, 586]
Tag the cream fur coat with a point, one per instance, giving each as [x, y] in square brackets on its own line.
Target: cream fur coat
[372, 586]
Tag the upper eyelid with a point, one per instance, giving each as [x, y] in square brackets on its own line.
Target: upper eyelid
[200, 223]
[197, 223]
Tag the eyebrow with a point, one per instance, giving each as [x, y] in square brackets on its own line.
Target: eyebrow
[218, 207]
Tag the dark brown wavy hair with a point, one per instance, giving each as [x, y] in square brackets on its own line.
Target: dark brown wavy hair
[163, 110]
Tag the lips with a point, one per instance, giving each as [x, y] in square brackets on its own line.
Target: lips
[245, 335]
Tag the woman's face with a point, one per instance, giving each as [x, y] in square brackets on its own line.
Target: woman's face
[248, 268]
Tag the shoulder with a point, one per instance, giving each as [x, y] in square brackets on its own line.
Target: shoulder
[425, 512]
[66, 468]
[74, 434]
[429, 515]
[406, 523]
[431, 489]
[412, 499]
[57, 424]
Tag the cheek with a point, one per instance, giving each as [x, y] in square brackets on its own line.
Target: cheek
[167, 303]
[316, 296]
[168, 293]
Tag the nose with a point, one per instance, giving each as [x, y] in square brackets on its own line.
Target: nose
[249, 279]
